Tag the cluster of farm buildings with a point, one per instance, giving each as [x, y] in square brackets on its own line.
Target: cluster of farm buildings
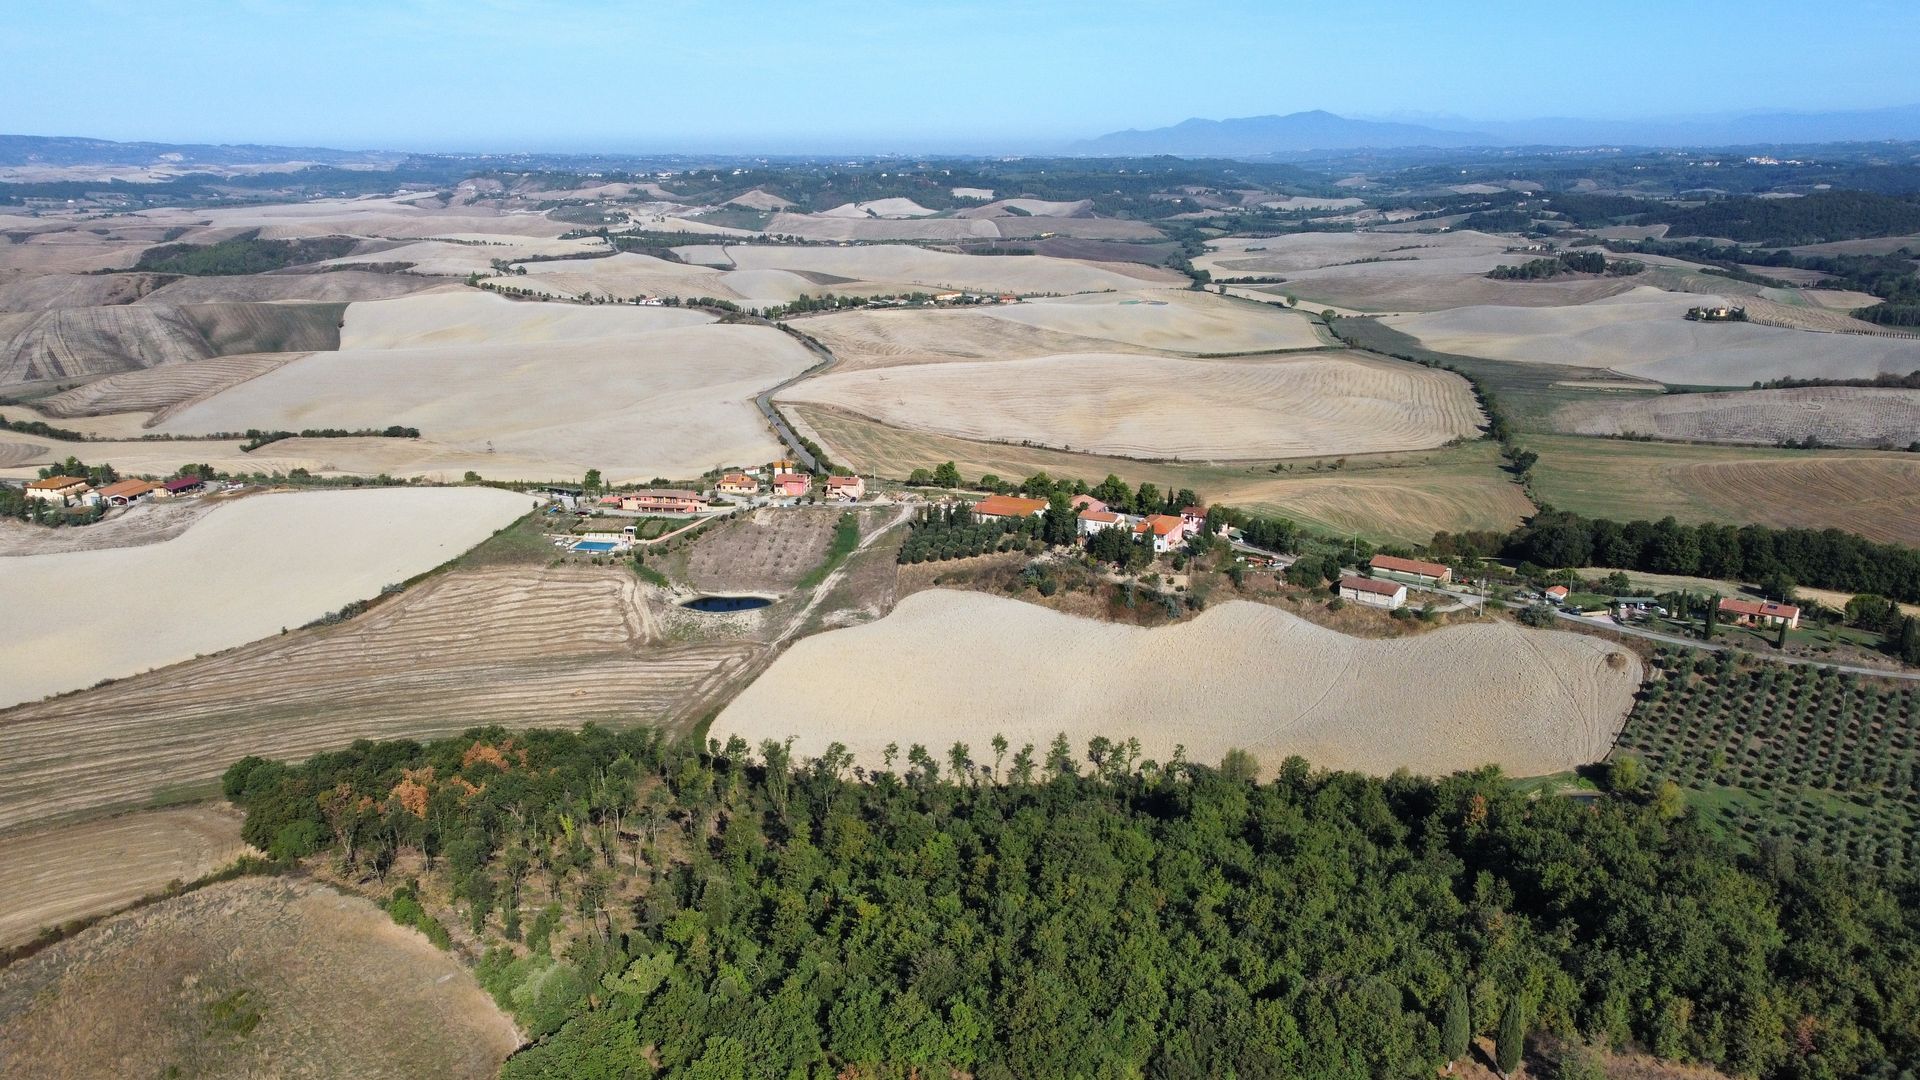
[1168, 531]
[76, 491]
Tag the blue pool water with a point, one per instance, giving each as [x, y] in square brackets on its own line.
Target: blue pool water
[594, 547]
[726, 603]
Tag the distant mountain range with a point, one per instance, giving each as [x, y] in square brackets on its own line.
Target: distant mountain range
[1255, 136]
[61, 151]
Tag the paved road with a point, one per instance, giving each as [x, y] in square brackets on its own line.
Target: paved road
[1691, 643]
[765, 401]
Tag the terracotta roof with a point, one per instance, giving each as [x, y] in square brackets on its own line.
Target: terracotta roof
[1159, 524]
[1759, 607]
[182, 483]
[1397, 565]
[1558, 590]
[1087, 502]
[790, 478]
[55, 483]
[667, 493]
[842, 481]
[127, 488]
[1369, 585]
[1008, 506]
[736, 478]
[1099, 515]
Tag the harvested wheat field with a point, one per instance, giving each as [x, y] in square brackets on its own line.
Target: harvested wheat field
[1162, 407]
[1168, 320]
[462, 255]
[338, 286]
[628, 274]
[161, 388]
[1835, 415]
[908, 268]
[1645, 333]
[40, 292]
[148, 521]
[243, 572]
[77, 871]
[1875, 494]
[377, 216]
[1240, 675]
[522, 646]
[521, 390]
[879, 337]
[247, 978]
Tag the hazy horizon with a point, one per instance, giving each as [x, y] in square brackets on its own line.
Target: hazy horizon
[594, 77]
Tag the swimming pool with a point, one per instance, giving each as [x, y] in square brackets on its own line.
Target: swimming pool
[594, 547]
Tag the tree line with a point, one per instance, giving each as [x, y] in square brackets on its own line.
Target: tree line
[654, 908]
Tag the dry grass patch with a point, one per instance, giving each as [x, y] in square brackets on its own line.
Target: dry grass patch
[1163, 407]
[1835, 415]
[77, 871]
[243, 572]
[257, 977]
[1240, 675]
[1874, 494]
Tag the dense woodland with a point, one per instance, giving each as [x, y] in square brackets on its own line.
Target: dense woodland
[244, 254]
[1820, 558]
[727, 915]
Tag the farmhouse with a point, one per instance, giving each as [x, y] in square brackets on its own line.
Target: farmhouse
[126, 492]
[735, 483]
[1424, 572]
[57, 489]
[1373, 593]
[1759, 612]
[1093, 521]
[664, 500]
[850, 488]
[1167, 531]
[793, 484]
[1001, 507]
[1087, 502]
[181, 485]
[1558, 593]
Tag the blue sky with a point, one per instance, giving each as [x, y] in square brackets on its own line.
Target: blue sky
[591, 76]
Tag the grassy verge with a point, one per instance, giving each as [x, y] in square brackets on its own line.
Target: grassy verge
[846, 537]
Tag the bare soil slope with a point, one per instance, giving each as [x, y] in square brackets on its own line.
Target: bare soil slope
[950, 667]
[335, 986]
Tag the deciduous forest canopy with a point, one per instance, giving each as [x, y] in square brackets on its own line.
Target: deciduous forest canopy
[1021, 912]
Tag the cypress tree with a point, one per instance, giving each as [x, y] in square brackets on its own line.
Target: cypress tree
[1456, 1031]
[1512, 1038]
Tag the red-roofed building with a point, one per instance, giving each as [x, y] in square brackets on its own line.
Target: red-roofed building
[126, 492]
[57, 489]
[1002, 507]
[849, 488]
[182, 485]
[663, 501]
[1168, 532]
[1759, 612]
[1087, 502]
[1373, 593]
[1558, 593]
[792, 484]
[1093, 521]
[735, 483]
[1428, 572]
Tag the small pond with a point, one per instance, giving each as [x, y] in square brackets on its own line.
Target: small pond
[726, 603]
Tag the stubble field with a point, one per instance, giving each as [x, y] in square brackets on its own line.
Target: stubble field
[1834, 415]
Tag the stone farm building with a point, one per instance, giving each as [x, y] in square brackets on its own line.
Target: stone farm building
[1001, 507]
[1759, 612]
[1373, 592]
[57, 489]
[1426, 573]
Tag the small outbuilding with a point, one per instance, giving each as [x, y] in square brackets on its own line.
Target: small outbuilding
[1373, 592]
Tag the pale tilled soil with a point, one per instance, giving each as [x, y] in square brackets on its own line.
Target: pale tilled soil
[950, 667]
[1836, 415]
